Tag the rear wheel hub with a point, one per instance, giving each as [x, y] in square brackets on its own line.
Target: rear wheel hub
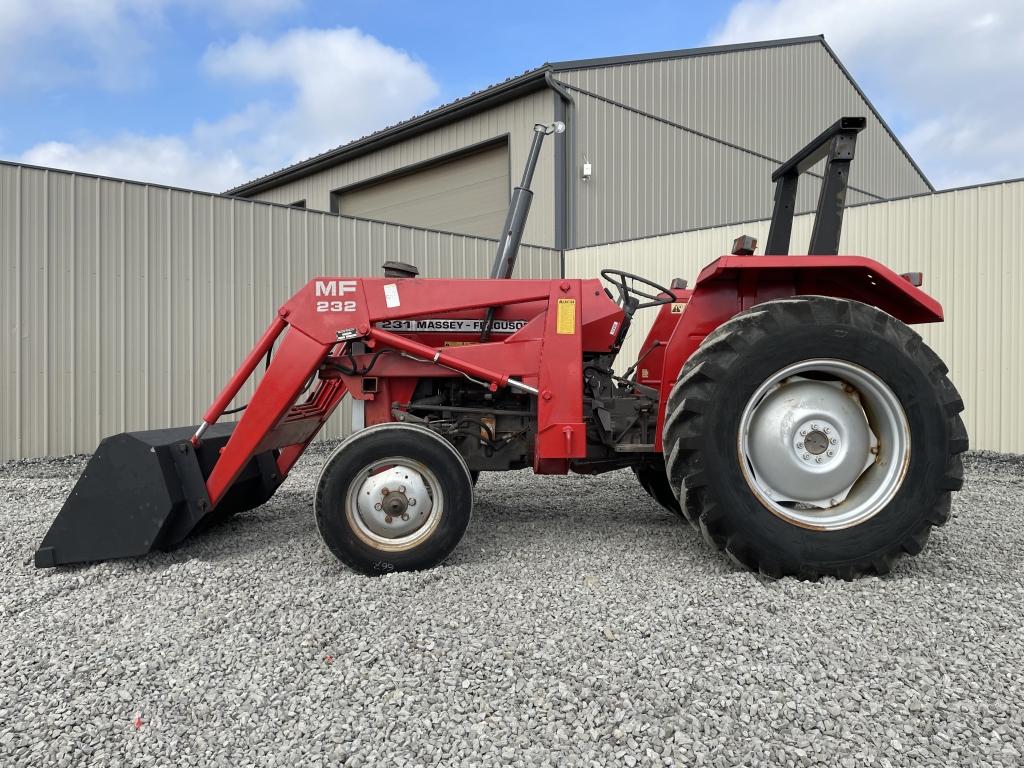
[824, 444]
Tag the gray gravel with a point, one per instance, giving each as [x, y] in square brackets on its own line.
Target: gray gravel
[577, 624]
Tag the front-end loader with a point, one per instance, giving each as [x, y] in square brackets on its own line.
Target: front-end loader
[782, 405]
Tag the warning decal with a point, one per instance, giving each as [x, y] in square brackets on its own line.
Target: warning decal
[566, 318]
[678, 307]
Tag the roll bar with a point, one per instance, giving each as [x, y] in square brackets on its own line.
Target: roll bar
[837, 144]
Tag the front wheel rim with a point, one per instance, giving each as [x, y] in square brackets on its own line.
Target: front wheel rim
[394, 504]
[824, 444]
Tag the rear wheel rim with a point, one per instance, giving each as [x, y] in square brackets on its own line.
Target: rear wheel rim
[394, 504]
[824, 444]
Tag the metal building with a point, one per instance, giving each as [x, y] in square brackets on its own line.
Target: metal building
[655, 143]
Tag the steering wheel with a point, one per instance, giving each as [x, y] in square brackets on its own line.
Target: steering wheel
[618, 278]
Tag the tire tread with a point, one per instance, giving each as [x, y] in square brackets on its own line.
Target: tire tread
[693, 396]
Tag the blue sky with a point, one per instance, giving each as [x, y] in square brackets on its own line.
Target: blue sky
[208, 93]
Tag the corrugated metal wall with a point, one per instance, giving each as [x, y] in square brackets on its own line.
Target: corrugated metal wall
[650, 177]
[127, 306]
[656, 178]
[514, 119]
[967, 243]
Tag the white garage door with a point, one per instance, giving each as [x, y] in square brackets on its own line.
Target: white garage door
[468, 195]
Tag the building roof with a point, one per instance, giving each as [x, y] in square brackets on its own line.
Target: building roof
[512, 88]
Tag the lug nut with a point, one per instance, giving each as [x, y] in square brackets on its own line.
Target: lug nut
[831, 453]
[826, 430]
[378, 507]
[803, 432]
[799, 446]
[814, 426]
[412, 502]
[834, 441]
[387, 519]
[807, 457]
[401, 489]
[818, 460]
[405, 516]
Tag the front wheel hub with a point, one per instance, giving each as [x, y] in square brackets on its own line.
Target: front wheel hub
[394, 503]
[824, 444]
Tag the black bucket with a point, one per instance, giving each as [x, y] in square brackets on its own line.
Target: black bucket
[143, 491]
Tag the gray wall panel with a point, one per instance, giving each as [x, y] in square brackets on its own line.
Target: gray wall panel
[771, 100]
[10, 312]
[127, 306]
[654, 178]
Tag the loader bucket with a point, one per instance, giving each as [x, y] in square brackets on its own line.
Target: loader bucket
[143, 491]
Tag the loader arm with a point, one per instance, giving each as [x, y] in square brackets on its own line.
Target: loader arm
[319, 322]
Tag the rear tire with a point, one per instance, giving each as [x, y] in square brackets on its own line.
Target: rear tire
[393, 497]
[655, 482]
[836, 346]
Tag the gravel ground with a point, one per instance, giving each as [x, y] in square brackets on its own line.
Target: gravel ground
[577, 624]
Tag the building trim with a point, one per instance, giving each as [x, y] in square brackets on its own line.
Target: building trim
[564, 152]
[682, 53]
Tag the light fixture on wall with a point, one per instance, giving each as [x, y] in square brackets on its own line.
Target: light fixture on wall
[588, 169]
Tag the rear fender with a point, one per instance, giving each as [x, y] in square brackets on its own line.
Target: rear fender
[732, 284]
[650, 362]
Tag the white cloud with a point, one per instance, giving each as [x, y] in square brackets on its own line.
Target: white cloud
[343, 84]
[346, 84]
[162, 159]
[947, 69]
[45, 43]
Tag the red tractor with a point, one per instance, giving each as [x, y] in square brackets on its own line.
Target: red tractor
[782, 405]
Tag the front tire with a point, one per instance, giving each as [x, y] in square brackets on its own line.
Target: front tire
[393, 497]
[815, 436]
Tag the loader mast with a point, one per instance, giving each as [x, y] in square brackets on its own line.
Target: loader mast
[515, 220]
[519, 207]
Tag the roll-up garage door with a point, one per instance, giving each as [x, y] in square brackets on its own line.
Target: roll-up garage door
[468, 195]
